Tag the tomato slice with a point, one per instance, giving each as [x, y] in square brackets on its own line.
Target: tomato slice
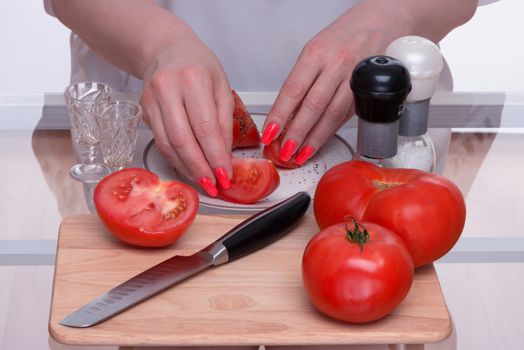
[272, 152]
[245, 133]
[140, 209]
[252, 180]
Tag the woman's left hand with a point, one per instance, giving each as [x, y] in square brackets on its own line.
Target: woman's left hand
[316, 99]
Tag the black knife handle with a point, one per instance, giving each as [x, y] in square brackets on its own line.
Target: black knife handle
[265, 227]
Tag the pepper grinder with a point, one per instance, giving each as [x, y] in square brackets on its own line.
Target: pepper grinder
[424, 62]
[380, 85]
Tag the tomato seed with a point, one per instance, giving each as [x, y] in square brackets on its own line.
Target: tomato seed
[176, 211]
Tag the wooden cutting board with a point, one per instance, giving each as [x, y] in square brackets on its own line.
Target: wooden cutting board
[258, 299]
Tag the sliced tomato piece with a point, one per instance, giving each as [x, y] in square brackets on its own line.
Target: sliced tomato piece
[140, 209]
[272, 152]
[252, 180]
[245, 133]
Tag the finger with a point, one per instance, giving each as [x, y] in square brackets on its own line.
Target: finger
[293, 91]
[184, 143]
[311, 109]
[203, 118]
[174, 159]
[336, 114]
[154, 121]
[224, 103]
[148, 103]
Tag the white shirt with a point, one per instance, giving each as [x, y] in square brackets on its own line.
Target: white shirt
[257, 41]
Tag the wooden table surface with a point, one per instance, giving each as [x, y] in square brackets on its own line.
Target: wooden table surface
[258, 299]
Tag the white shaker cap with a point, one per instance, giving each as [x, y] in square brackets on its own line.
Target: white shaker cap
[424, 62]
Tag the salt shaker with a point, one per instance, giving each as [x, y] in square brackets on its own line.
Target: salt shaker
[424, 62]
[380, 85]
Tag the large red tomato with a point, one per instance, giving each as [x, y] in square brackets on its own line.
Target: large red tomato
[356, 272]
[252, 180]
[245, 133]
[140, 209]
[426, 210]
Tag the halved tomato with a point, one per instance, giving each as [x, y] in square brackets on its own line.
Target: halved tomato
[245, 133]
[272, 152]
[140, 209]
[252, 180]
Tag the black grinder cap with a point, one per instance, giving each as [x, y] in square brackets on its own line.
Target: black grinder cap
[380, 86]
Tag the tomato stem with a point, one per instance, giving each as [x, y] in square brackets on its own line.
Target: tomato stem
[383, 185]
[359, 234]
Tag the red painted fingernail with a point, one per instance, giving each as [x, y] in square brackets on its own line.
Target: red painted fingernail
[287, 150]
[222, 178]
[304, 154]
[269, 133]
[208, 186]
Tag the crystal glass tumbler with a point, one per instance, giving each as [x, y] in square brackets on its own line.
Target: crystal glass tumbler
[118, 126]
[82, 99]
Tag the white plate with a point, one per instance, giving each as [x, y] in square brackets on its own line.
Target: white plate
[292, 181]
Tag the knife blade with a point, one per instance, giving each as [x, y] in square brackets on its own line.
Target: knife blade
[250, 235]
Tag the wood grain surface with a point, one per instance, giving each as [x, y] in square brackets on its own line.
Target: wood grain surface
[258, 299]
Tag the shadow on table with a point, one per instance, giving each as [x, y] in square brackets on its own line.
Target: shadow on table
[54, 153]
[467, 152]
[469, 147]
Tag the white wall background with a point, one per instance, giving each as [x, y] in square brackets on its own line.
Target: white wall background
[34, 49]
[486, 54]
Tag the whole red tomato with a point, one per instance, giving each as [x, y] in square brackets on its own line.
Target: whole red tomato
[253, 179]
[140, 209]
[426, 210]
[356, 272]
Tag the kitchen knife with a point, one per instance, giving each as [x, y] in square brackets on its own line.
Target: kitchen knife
[251, 235]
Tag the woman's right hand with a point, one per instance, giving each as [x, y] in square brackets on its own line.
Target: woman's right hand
[187, 99]
[188, 105]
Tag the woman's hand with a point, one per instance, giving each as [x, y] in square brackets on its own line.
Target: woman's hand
[188, 104]
[187, 99]
[316, 98]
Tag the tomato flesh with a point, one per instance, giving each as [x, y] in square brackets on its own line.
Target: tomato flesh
[353, 284]
[252, 180]
[426, 210]
[140, 209]
[272, 152]
[245, 133]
